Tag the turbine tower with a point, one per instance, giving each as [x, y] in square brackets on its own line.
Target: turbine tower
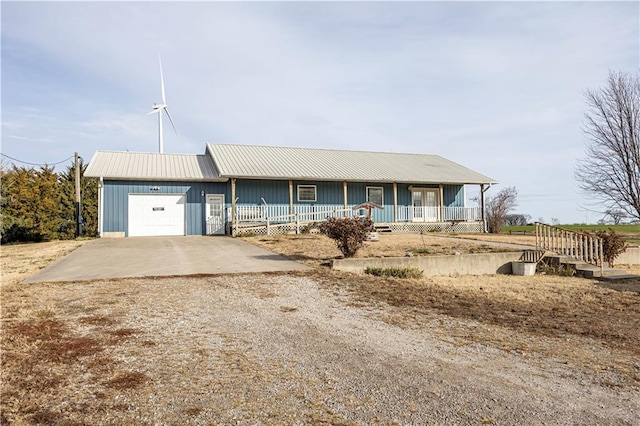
[159, 109]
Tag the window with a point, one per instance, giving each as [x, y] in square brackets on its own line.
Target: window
[374, 195]
[307, 193]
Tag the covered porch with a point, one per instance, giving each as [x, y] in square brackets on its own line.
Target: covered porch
[277, 219]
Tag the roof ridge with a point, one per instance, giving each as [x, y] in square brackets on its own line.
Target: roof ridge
[148, 153]
[320, 149]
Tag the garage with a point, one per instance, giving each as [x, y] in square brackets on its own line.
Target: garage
[156, 215]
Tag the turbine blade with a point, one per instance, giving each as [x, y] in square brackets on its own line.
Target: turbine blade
[164, 101]
[173, 125]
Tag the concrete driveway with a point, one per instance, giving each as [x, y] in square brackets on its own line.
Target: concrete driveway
[162, 256]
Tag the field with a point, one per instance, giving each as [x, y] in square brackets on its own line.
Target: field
[318, 347]
[621, 229]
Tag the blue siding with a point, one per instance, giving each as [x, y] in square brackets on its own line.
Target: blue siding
[116, 201]
[249, 191]
[357, 194]
[453, 195]
[328, 193]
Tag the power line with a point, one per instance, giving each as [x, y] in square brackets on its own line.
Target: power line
[36, 164]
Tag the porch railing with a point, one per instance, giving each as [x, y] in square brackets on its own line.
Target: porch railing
[579, 245]
[287, 220]
[439, 214]
[282, 212]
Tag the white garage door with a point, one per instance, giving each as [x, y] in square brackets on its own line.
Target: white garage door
[155, 215]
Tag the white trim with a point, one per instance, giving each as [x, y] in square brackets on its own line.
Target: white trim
[315, 193]
[464, 195]
[366, 194]
[424, 213]
[221, 230]
[163, 194]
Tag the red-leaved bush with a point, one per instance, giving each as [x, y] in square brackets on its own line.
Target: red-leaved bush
[349, 233]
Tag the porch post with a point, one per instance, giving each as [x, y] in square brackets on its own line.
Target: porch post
[233, 206]
[441, 203]
[290, 196]
[395, 202]
[484, 220]
[344, 194]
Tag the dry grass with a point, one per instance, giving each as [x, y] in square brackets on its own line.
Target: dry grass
[558, 309]
[18, 261]
[555, 316]
[65, 346]
[316, 249]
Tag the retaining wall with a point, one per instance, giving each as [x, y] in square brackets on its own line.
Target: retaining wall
[629, 257]
[464, 264]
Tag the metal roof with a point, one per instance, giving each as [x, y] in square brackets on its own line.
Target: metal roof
[147, 165]
[272, 162]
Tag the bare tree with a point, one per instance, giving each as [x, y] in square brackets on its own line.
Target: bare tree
[517, 219]
[499, 206]
[610, 171]
[617, 216]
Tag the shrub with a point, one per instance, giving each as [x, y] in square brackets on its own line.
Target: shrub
[548, 268]
[308, 228]
[349, 233]
[612, 245]
[394, 272]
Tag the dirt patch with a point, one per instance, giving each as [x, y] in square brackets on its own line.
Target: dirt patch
[320, 347]
[316, 249]
[561, 311]
[527, 240]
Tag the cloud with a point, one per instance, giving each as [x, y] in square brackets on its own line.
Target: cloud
[496, 86]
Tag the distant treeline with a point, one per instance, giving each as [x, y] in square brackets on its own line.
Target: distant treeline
[39, 204]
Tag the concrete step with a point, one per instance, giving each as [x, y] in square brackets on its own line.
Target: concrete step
[382, 228]
[587, 270]
[595, 272]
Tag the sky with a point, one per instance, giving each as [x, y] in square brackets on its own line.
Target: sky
[498, 87]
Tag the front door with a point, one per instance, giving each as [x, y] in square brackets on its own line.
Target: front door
[426, 205]
[215, 214]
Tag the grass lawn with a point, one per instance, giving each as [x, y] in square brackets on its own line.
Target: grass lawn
[621, 229]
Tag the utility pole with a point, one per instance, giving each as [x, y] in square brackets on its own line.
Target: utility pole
[78, 216]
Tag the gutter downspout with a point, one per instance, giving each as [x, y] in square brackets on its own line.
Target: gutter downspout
[482, 206]
[441, 196]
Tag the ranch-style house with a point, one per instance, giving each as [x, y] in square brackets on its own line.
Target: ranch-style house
[233, 189]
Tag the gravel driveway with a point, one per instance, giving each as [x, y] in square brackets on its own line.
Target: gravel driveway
[282, 349]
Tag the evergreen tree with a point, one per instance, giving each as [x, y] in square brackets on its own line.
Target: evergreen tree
[45, 200]
[39, 205]
[17, 204]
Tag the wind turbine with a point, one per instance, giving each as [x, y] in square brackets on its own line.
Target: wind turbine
[159, 108]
